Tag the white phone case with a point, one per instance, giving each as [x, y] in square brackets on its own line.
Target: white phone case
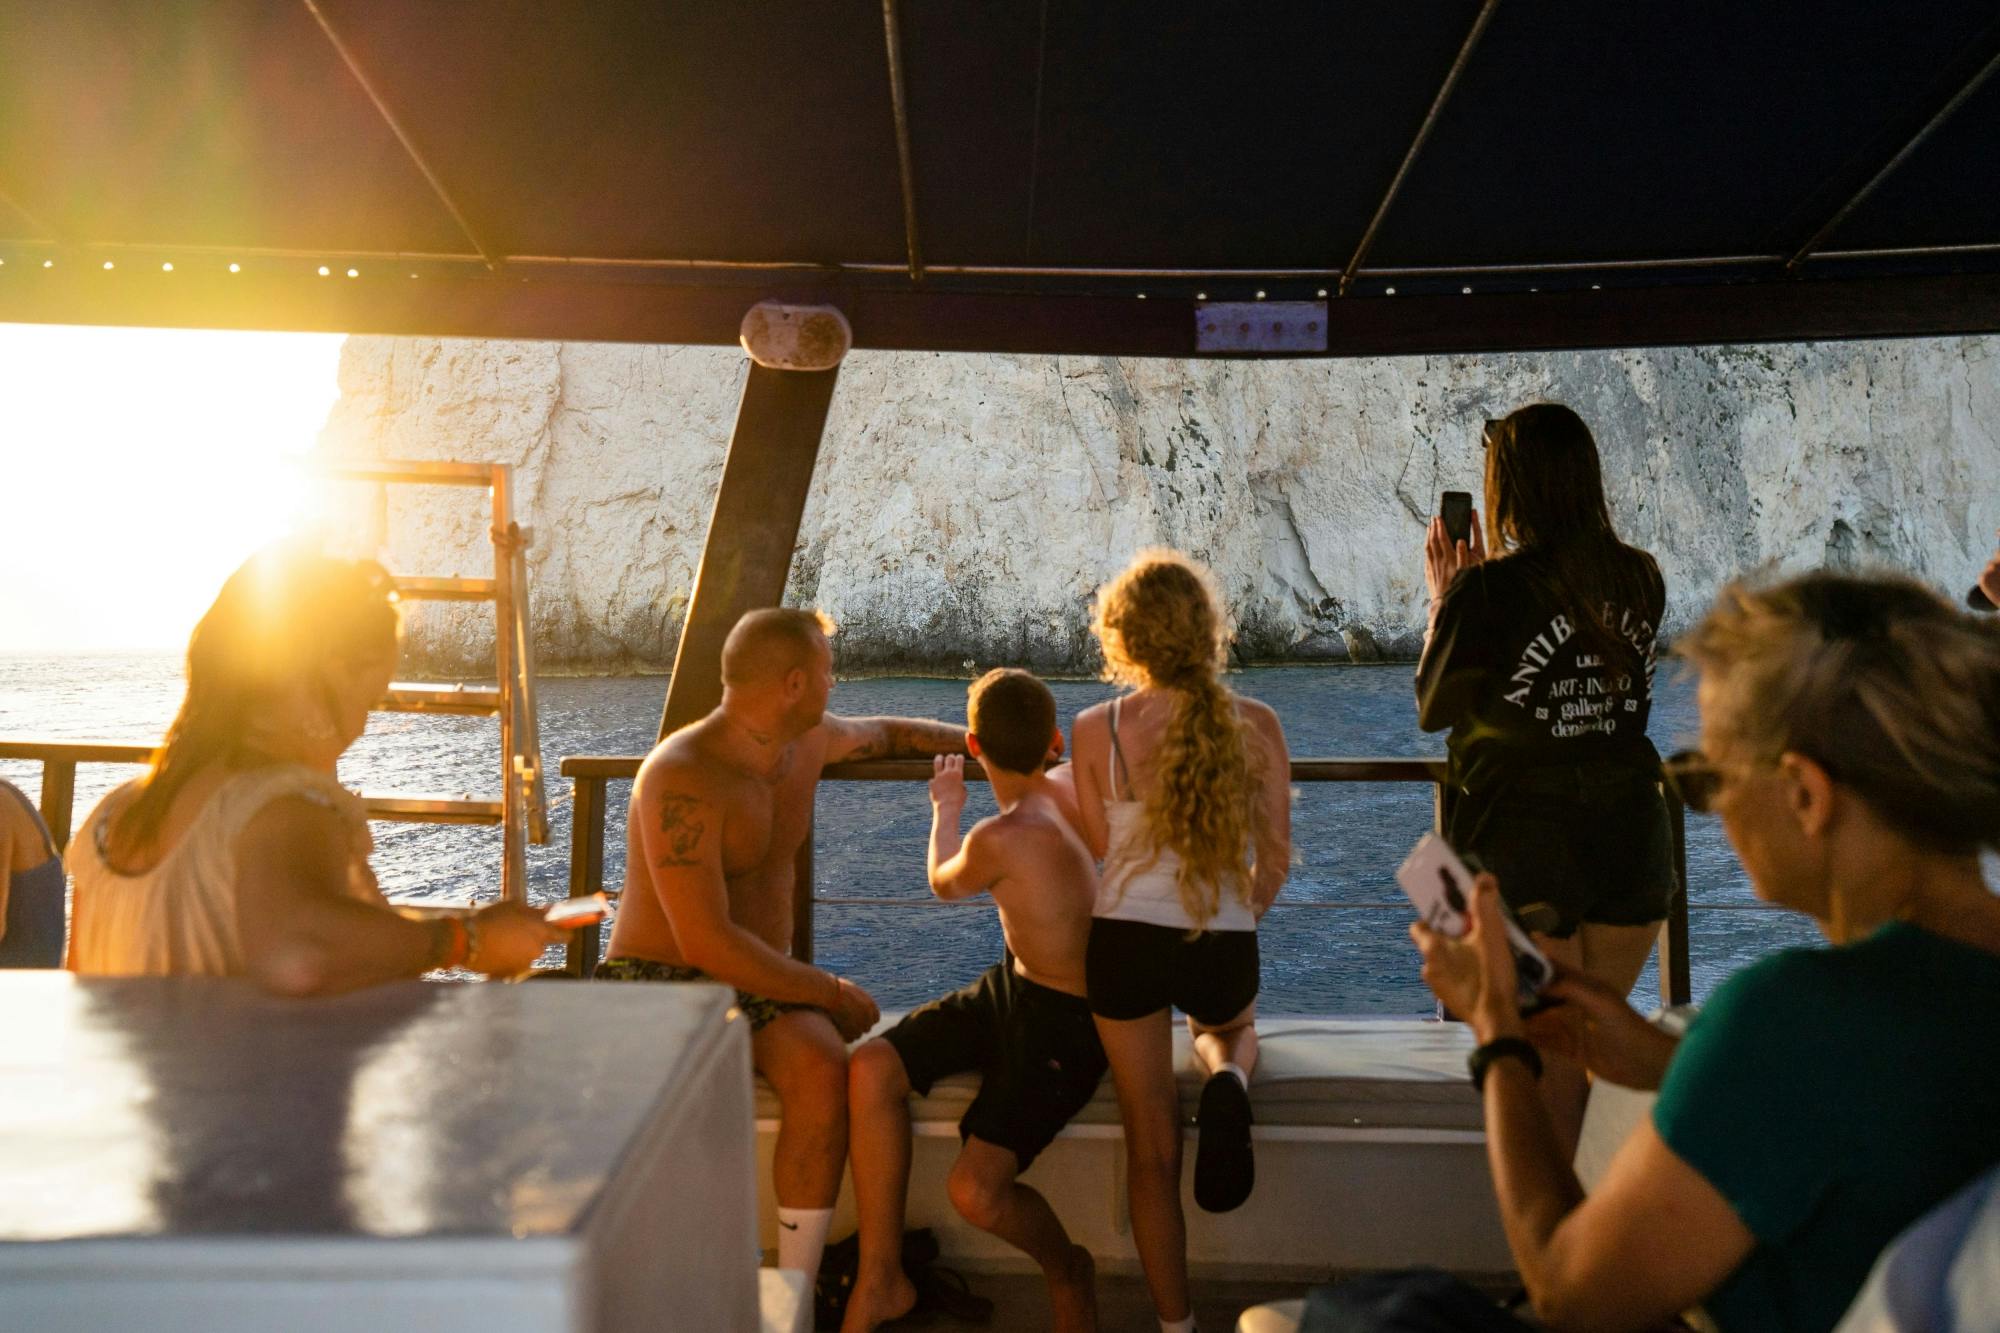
[573, 913]
[1438, 883]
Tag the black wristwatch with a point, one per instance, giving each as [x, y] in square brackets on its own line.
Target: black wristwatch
[1501, 1048]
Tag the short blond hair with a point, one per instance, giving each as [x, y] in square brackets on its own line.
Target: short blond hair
[766, 644]
[1876, 678]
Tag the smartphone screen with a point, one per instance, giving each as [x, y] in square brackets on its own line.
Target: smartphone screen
[1455, 508]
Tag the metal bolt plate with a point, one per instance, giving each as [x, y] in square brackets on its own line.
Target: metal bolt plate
[1260, 326]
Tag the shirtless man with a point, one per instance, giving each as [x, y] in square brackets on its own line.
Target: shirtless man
[718, 813]
[1024, 1025]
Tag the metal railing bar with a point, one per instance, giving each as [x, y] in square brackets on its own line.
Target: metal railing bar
[616, 768]
[1400, 905]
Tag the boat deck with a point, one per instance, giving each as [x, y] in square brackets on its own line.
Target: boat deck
[1019, 1303]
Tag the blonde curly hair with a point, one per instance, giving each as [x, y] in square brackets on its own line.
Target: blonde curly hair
[1161, 625]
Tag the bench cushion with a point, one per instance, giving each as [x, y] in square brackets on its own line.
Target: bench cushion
[1333, 1072]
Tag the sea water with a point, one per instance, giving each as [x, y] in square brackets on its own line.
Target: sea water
[1334, 943]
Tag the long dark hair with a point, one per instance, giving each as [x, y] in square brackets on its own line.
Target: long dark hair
[278, 619]
[1545, 494]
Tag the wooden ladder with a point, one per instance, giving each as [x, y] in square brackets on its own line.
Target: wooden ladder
[522, 810]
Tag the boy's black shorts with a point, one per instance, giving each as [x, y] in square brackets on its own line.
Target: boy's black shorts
[1035, 1049]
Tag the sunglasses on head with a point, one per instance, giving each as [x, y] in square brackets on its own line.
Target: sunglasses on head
[1694, 779]
[1486, 432]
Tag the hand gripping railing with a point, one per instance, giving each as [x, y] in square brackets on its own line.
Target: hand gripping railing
[591, 776]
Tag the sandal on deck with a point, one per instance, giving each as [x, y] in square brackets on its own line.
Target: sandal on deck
[1224, 1168]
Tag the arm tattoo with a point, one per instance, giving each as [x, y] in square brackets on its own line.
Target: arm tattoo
[681, 821]
[909, 737]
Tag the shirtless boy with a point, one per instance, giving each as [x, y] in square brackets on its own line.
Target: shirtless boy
[1024, 1025]
[718, 813]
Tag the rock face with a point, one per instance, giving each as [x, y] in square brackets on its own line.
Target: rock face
[966, 507]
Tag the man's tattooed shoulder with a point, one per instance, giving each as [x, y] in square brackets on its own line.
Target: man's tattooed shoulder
[683, 819]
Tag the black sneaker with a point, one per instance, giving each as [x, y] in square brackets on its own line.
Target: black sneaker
[1224, 1168]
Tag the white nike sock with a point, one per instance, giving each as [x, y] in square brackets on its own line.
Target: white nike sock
[801, 1239]
[1237, 1070]
[1180, 1325]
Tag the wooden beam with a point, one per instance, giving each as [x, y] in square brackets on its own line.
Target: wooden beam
[753, 528]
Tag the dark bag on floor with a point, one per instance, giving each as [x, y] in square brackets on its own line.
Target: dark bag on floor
[1416, 1300]
[940, 1290]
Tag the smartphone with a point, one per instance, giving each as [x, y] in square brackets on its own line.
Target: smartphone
[1455, 508]
[1437, 881]
[572, 913]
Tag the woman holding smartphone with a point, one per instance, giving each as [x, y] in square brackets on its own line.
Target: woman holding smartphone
[1183, 789]
[1539, 659]
[1825, 1098]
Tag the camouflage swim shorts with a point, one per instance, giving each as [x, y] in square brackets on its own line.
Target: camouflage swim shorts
[756, 1008]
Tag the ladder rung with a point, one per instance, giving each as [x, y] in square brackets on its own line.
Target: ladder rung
[417, 472]
[475, 700]
[447, 590]
[431, 809]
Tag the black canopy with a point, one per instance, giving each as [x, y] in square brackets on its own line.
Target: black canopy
[1445, 175]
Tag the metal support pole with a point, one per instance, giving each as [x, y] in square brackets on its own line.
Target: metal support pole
[753, 529]
[802, 899]
[892, 34]
[1676, 982]
[59, 799]
[586, 869]
[514, 832]
[1887, 169]
[1444, 92]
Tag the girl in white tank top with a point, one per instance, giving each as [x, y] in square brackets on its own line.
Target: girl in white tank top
[1140, 880]
[1217, 779]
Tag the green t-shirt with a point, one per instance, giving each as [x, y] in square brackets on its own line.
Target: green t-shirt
[1833, 1096]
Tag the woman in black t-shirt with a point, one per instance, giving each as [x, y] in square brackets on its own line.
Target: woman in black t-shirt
[1540, 661]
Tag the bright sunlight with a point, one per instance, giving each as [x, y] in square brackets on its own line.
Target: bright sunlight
[141, 466]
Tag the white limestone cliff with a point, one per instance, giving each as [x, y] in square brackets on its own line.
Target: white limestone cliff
[965, 507]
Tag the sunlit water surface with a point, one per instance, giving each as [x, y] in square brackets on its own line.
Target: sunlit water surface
[1348, 838]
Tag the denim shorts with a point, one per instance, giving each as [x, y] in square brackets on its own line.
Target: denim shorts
[1572, 845]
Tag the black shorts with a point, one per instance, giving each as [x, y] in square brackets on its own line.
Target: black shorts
[1572, 845]
[1035, 1050]
[1135, 968]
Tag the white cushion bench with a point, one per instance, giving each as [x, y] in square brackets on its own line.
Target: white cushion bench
[1370, 1153]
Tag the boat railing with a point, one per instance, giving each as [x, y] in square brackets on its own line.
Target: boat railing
[60, 759]
[591, 776]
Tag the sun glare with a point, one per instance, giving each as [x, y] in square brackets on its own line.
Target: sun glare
[140, 466]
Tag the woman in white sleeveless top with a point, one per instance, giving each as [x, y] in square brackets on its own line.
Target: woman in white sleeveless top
[239, 853]
[1183, 789]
